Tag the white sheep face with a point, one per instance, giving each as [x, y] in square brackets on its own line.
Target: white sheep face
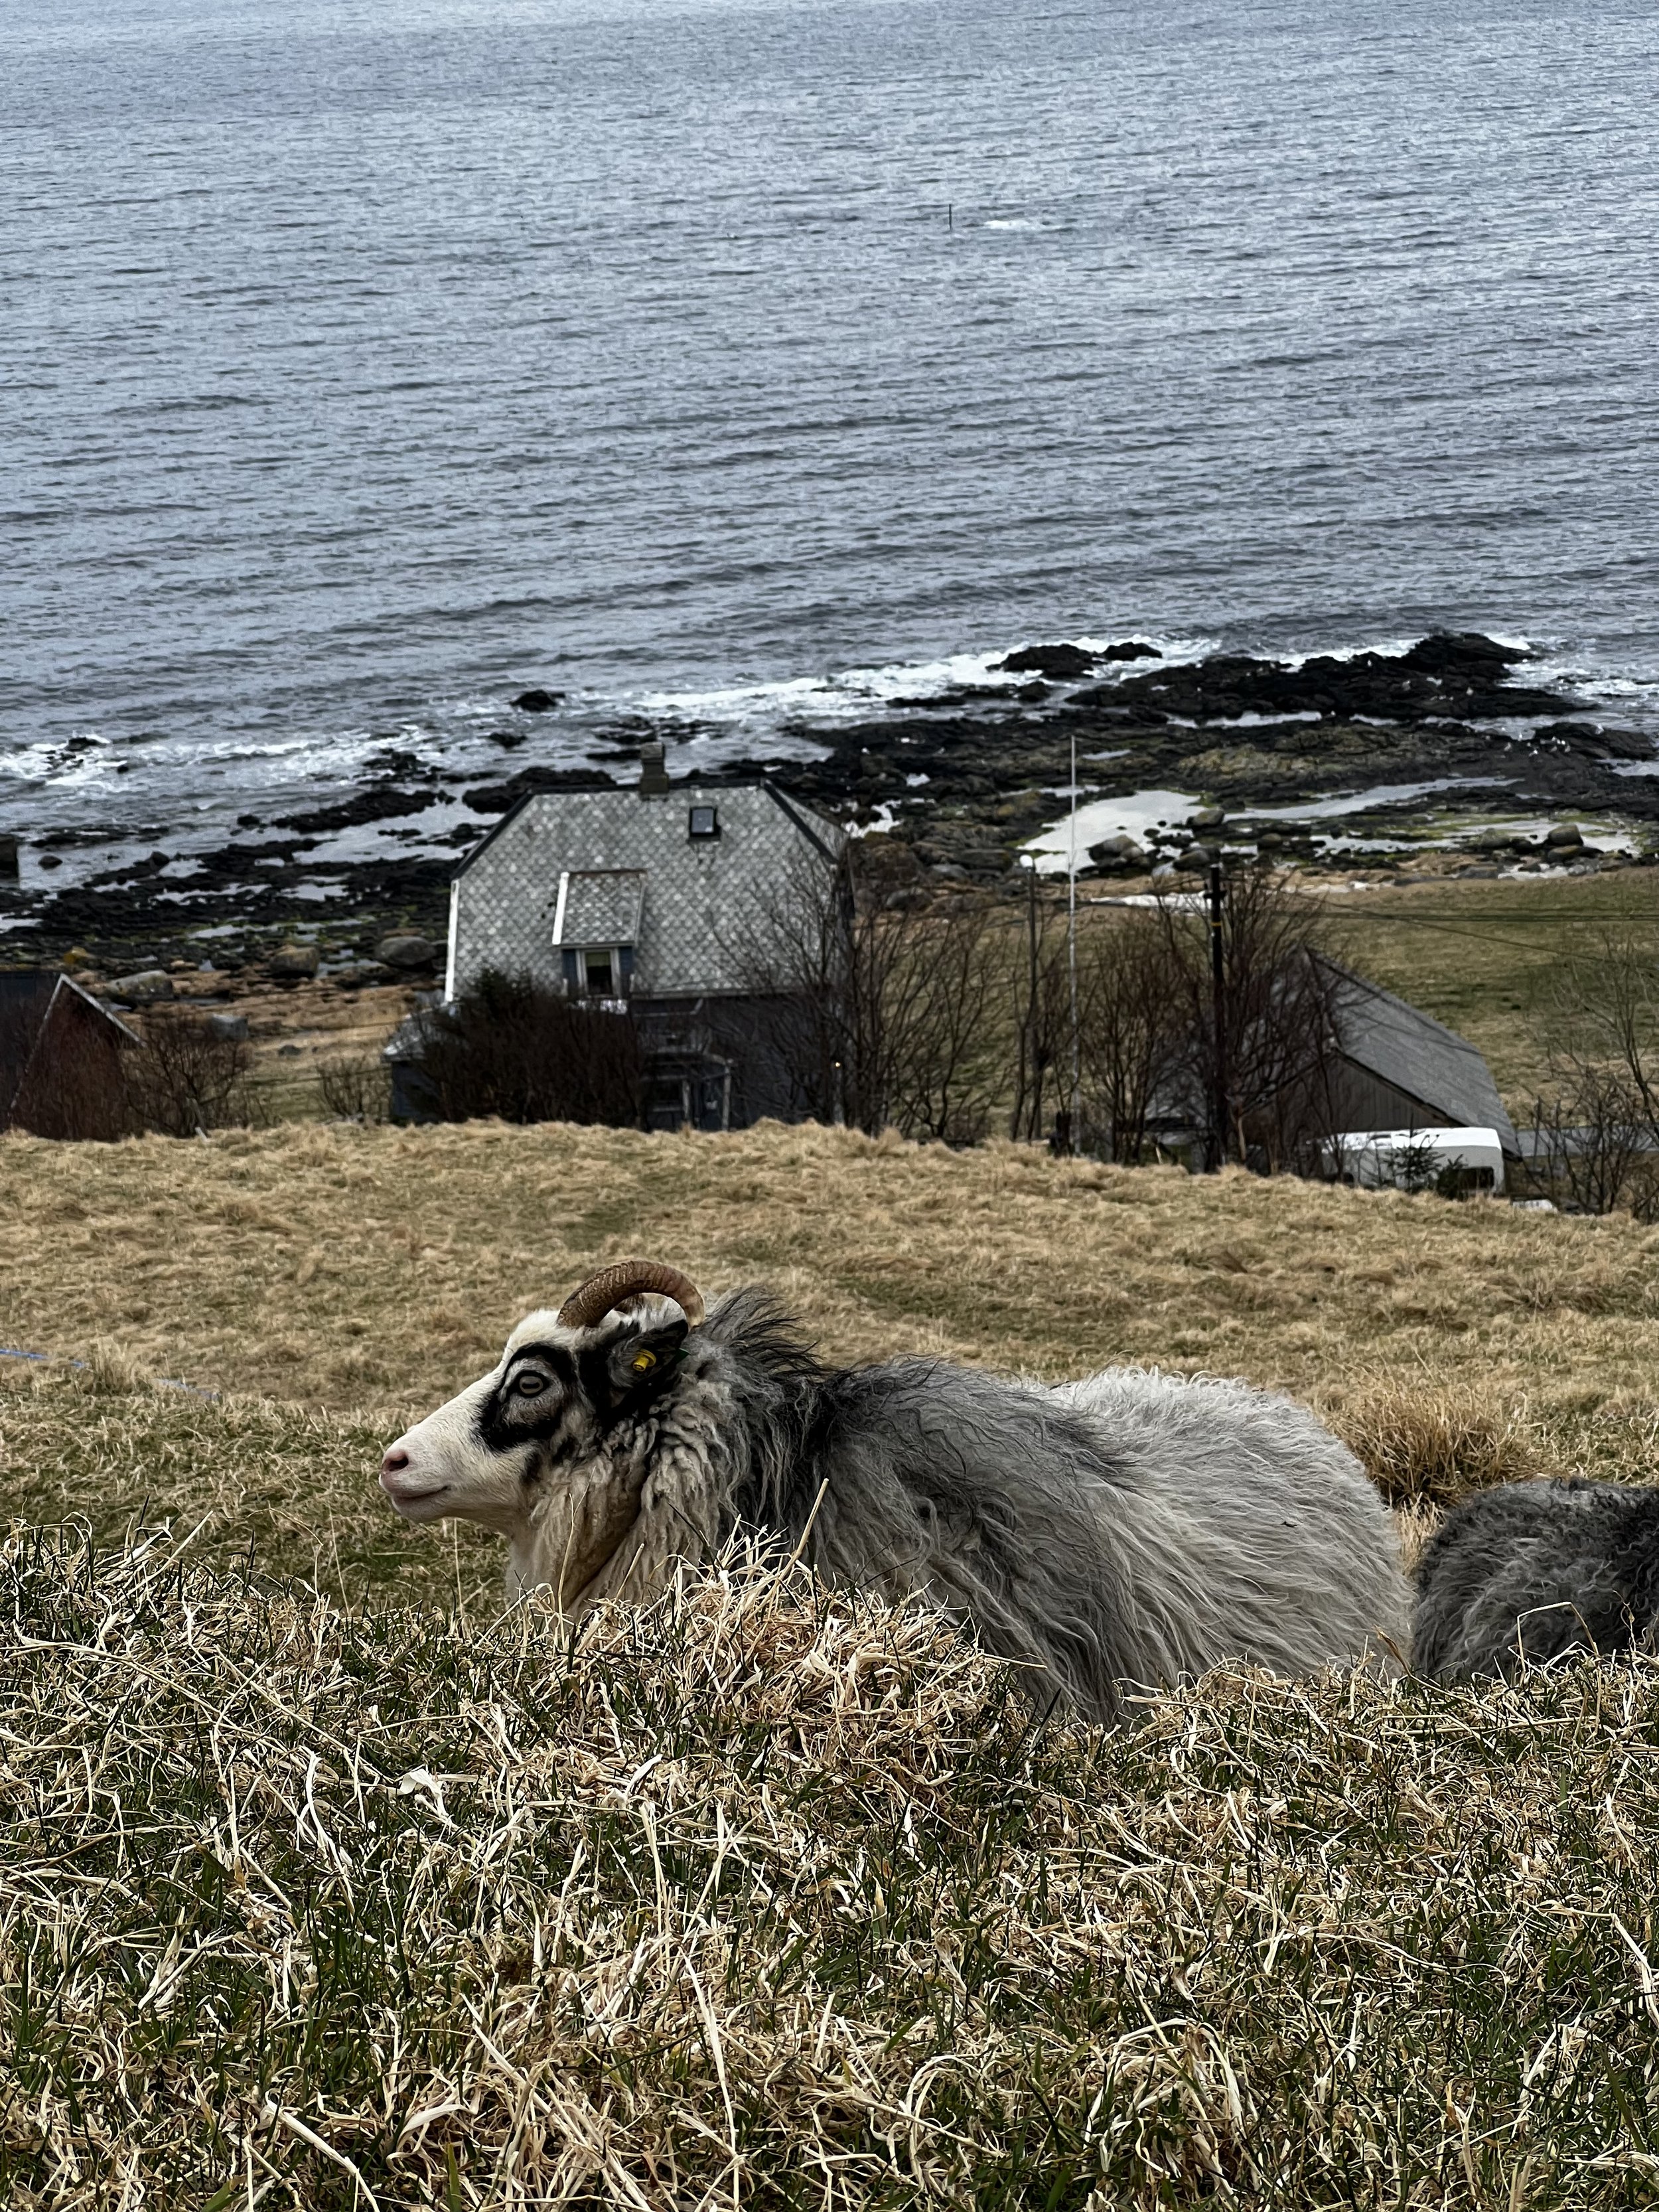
[543, 1450]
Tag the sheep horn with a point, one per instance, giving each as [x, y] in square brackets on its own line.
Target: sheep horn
[613, 1286]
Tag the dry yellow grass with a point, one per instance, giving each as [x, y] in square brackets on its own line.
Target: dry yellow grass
[763, 1896]
[369, 1271]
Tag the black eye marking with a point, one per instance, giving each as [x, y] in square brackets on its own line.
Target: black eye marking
[530, 1400]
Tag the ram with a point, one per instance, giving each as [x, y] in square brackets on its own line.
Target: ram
[1134, 1528]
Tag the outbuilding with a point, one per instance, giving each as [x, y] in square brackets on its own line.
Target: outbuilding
[61, 1056]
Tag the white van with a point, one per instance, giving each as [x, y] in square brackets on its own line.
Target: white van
[1416, 1159]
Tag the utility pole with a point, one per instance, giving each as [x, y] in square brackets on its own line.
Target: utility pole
[1072, 1132]
[1218, 1004]
[1031, 1066]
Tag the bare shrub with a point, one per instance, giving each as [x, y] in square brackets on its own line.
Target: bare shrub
[186, 1079]
[1595, 1138]
[520, 1051]
[355, 1088]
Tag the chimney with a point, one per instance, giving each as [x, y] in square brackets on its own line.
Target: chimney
[654, 776]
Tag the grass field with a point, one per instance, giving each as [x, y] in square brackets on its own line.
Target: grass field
[1489, 959]
[322, 1887]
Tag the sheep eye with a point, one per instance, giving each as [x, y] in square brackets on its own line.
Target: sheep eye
[529, 1385]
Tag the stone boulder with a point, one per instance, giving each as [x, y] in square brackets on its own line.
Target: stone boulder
[1565, 838]
[407, 953]
[293, 963]
[537, 701]
[147, 987]
[1121, 853]
[230, 1029]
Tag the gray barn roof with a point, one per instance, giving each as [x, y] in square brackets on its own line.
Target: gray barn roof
[1408, 1048]
[578, 869]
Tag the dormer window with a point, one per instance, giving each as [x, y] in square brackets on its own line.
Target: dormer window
[705, 822]
[596, 926]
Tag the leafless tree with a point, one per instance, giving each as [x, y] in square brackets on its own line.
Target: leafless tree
[185, 1077]
[1136, 1042]
[879, 1013]
[1270, 1061]
[1595, 1136]
[1591, 1141]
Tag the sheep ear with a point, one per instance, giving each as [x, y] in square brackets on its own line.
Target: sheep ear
[638, 1365]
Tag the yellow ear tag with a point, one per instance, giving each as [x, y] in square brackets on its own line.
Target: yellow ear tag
[645, 1361]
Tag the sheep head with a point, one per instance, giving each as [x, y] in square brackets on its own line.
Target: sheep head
[550, 1448]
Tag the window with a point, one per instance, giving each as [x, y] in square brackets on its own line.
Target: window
[597, 971]
[598, 978]
[705, 822]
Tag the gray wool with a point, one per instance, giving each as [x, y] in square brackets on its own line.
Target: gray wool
[1534, 1572]
[1127, 1531]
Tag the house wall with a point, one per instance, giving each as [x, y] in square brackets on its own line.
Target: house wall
[1362, 1100]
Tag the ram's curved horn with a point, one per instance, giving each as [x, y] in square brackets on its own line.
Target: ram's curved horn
[612, 1286]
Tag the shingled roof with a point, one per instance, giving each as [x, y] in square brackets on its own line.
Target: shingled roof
[1403, 1045]
[672, 876]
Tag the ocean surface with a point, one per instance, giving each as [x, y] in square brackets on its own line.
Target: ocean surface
[365, 361]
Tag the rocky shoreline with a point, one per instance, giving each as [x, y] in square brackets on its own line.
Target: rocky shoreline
[1431, 750]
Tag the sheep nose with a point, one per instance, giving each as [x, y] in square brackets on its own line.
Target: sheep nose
[395, 1460]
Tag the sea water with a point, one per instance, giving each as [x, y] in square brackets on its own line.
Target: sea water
[364, 361]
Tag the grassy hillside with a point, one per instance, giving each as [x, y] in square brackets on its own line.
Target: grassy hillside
[1488, 958]
[320, 1887]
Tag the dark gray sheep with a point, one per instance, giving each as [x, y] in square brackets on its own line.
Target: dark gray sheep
[1528, 1573]
[1132, 1529]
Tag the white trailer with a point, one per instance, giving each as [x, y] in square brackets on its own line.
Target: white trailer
[1415, 1159]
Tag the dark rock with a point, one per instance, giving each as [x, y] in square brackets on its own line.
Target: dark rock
[496, 798]
[380, 803]
[1120, 853]
[291, 963]
[1565, 836]
[1131, 649]
[538, 702]
[1465, 653]
[407, 953]
[509, 739]
[1063, 663]
[49, 860]
[231, 1027]
[9, 870]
